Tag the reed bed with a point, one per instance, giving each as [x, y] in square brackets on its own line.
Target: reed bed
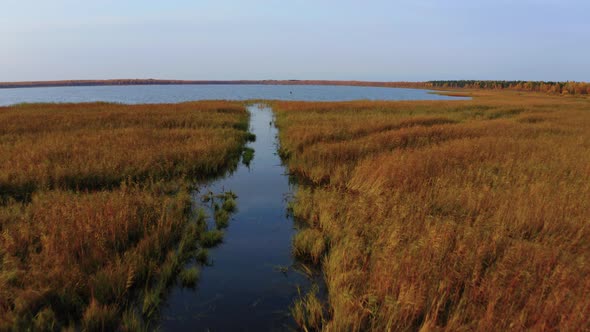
[98, 145]
[444, 215]
[96, 219]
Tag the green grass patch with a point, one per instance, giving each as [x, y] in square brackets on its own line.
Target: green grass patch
[189, 277]
[211, 238]
[247, 156]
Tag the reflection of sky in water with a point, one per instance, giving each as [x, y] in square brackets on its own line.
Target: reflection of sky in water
[135, 94]
[243, 289]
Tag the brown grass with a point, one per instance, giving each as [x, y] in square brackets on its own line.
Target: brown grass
[90, 146]
[96, 206]
[452, 215]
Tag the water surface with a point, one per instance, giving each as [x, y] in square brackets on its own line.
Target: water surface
[139, 94]
[245, 288]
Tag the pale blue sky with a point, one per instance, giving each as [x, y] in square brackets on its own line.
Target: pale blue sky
[365, 40]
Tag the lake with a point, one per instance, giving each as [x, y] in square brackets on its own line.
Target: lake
[138, 94]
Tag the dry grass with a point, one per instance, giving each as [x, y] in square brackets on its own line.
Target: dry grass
[308, 311]
[96, 208]
[452, 215]
[93, 146]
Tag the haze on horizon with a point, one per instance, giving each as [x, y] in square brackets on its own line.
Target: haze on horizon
[342, 40]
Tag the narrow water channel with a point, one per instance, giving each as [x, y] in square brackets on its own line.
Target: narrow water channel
[253, 280]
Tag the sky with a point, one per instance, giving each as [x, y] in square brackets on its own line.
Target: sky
[412, 40]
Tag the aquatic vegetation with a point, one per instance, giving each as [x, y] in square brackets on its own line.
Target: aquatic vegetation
[221, 218]
[132, 321]
[189, 277]
[450, 215]
[202, 256]
[309, 244]
[152, 299]
[211, 238]
[229, 204]
[222, 206]
[308, 311]
[247, 156]
[95, 209]
[250, 137]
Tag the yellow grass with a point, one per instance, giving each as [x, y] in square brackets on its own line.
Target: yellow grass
[452, 215]
[96, 208]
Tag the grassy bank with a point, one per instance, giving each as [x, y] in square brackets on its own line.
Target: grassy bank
[458, 215]
[96, 216]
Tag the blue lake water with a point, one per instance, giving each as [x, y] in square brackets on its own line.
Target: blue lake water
[137, 94]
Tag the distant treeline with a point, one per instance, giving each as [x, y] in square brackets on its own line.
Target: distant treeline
[571, 88]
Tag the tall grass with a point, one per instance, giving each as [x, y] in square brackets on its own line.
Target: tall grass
[451, 215]
[96, 210]
[98, 145]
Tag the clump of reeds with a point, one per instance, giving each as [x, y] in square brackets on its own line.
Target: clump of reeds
[247, 156]
[308, 310]
[189, 277]
[211, 238]
[98, 317]
[309, 244]
[250, 137]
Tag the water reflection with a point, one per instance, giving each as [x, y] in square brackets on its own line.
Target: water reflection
[253, 279]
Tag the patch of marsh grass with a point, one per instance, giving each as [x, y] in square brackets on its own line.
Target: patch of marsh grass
[97, 213]
[309, 244]
[189, 277]
[202, 256]
[221, 218]
[131, 321]
[308, 311]
[229, 205]
[250, 137]
[211, 238]
[247, 156]
[99, 317]
[444, 215]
